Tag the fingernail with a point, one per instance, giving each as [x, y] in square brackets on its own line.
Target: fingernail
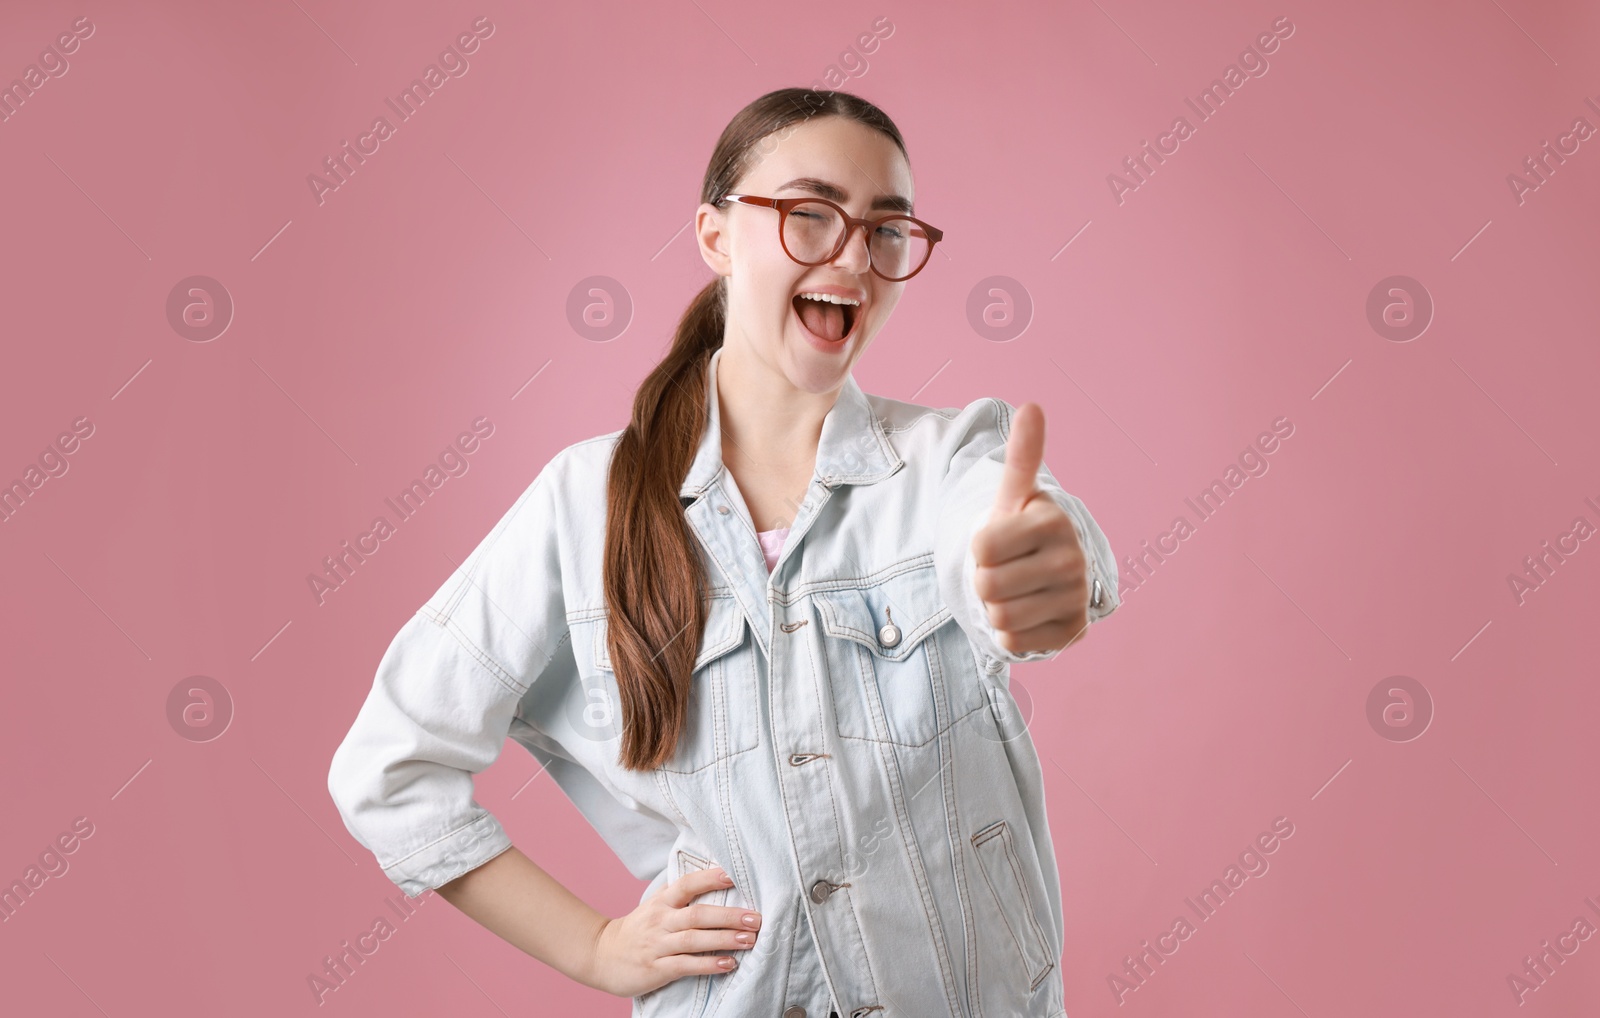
[726, 962]
[743, 938]
[750, 920]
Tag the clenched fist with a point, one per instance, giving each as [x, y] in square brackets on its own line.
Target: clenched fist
[1031, 574]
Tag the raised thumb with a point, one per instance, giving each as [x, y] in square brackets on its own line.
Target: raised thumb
[1024, 455]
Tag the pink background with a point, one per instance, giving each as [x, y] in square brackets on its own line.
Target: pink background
[1229, 290]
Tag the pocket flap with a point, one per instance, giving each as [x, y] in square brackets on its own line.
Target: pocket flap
[910, 600]
[725, 626]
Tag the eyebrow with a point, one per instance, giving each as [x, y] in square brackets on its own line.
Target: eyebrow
[833, 192]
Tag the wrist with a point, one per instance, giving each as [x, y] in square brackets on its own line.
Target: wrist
[593, 971]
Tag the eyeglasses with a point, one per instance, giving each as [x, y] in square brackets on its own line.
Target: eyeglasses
[814, 230]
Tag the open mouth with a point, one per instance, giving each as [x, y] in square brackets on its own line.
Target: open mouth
[829, 322]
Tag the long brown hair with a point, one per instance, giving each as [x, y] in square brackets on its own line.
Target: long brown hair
[655, 584]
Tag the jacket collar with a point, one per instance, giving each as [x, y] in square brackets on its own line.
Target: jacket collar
[852, 448]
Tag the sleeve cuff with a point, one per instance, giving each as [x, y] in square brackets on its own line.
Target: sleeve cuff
[462, 850]
[1102, 564]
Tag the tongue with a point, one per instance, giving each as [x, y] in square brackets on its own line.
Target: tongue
[826, 320]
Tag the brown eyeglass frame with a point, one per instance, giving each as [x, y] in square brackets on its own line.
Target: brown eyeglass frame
[784, 205]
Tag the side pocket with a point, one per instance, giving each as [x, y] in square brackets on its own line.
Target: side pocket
[1003, 873]
[688, 862]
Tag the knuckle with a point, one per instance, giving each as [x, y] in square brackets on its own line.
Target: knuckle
[980, 547]
[1069, 559]
[994, 622]
[1000, 616]
[983, 583]
[685, 965]
[694, 941]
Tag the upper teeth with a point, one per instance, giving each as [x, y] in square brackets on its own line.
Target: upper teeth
[831, 298]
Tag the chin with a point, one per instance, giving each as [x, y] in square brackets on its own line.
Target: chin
[817, 370]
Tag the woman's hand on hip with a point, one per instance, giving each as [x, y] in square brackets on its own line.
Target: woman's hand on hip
[657, 942]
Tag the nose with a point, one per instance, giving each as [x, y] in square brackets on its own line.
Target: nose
[854, 256]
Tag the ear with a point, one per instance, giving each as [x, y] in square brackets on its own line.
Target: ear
[710, 226]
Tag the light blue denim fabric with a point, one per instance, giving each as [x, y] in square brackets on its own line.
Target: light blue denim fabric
[870, 789]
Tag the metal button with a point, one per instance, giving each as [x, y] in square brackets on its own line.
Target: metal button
[724, 510]
[820, 891]
[1096, 595]
[795, 1011]
[889, 635]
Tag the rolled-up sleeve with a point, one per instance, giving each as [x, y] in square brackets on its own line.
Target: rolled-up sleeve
[977, 453]
[444, 697]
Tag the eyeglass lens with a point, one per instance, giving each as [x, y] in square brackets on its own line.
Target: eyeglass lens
[811, 231]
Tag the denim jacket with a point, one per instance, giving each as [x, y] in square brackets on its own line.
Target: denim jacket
[853, 756]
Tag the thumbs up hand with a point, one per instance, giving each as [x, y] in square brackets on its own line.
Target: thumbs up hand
[1030, 573]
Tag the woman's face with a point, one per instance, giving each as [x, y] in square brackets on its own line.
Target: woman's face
[741, 242]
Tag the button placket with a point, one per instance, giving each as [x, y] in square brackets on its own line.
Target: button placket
[810, 793]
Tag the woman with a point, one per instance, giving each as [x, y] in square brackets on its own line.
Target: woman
[775, 680]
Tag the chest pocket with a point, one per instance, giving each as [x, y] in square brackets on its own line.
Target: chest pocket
[899, 666]
[723, 712]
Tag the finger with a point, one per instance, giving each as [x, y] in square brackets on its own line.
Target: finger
[679, 965]
[1048, 636]
[693, 941]
[1027, 576]
[700, 916]
[686, 888]
[1024, 455]
[1040, 524]
[1019, 614]
[1006, 536]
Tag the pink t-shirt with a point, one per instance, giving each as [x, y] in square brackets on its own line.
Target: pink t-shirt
[772, 544]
